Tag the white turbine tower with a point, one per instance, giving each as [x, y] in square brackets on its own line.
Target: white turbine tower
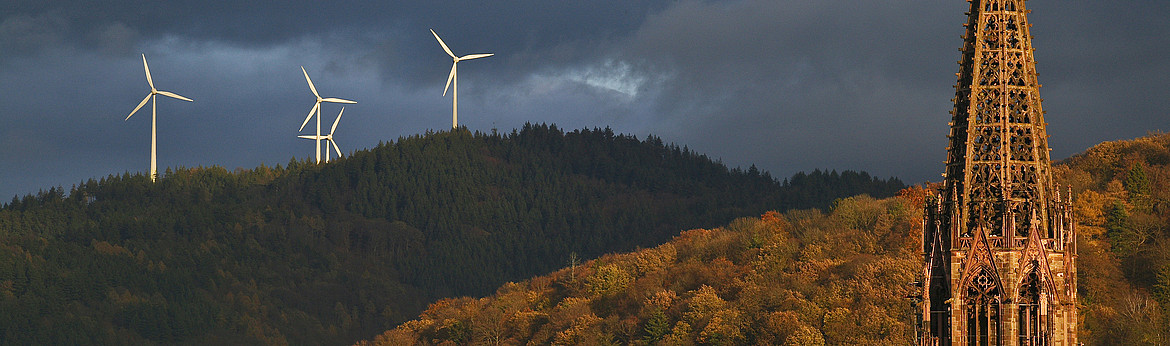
[328, 138]
[317, 110]
[454, 76]
[152, 96]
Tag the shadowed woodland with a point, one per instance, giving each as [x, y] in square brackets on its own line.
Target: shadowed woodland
[335, 253]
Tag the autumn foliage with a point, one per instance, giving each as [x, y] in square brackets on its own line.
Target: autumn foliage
[797, 278]
[803, 277]
[1122, 205]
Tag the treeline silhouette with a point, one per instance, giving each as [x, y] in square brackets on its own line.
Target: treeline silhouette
[338, 252]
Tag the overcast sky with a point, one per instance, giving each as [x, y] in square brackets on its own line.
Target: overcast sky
[786, 85]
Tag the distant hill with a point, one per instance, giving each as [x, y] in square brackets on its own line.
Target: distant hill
[804, 277]
[338, 252]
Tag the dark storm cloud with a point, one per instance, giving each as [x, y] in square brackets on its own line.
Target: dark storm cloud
[866, 85]
[28, 34]
[784, 82]
[1103, 67]
[390, 30]
[785, 85]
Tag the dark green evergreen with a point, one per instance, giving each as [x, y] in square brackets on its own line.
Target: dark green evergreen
[334, 253]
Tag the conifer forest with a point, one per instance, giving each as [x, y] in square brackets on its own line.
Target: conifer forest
[340, 252]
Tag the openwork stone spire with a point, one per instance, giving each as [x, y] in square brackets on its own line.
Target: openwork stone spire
[999, 216]
[998, 157]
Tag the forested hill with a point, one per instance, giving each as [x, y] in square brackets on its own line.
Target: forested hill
[797, 278]
[804, 277]
[337, 252]
[1122, 208]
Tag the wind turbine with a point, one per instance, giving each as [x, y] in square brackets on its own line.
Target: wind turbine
[152, 96]
[329, 137]
[454, 76]
[317, 109]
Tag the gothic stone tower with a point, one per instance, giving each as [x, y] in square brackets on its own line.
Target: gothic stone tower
[999, 237]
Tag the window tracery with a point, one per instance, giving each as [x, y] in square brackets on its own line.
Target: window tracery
[983, 305]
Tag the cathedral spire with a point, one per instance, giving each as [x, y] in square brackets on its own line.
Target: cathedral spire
[999, 203]
[998, 156]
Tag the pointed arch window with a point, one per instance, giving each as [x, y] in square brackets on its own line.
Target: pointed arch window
[940, 293]
[983, 309]
[1033, 327]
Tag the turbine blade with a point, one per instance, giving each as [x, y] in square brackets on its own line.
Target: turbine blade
[140, 104]
[445, 49]
[311, 111]
[311, 87]
[336, 121]
[449, 78]
[307, 136]
[147, 68]
[331, 141]
[337, 100]
[474, 56]
[174, 95]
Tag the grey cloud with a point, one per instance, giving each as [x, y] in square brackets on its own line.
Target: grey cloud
[781, 82]
[116, 39]
[786, 85]
[28, 34]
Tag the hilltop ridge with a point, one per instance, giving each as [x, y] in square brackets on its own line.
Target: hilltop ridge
[332, 253]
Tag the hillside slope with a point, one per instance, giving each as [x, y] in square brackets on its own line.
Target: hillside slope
[332, 253]
[807, 278]
[1122, 208]
[798, 278]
